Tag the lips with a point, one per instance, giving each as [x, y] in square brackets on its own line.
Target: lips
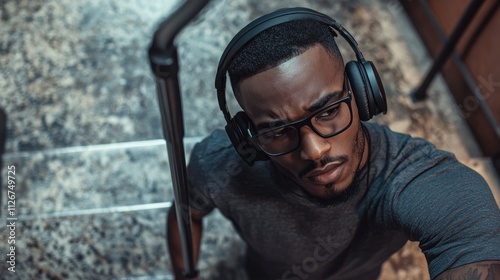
[327, 174]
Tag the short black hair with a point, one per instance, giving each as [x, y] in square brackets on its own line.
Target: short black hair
[278, 44]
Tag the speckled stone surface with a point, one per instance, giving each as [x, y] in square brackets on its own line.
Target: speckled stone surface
[114, 246]
[76, 73]
[50, 183]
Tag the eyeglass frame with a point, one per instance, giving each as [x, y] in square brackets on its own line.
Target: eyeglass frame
[298, 124]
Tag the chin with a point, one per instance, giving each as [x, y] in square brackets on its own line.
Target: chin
[325, 191]
[329, 189]
[332, 194]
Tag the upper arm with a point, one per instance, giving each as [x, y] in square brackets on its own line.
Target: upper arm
[485, 270]
[453, 215]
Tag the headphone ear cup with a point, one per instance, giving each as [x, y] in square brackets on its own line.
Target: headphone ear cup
[376, 97]
[238, 130]
[358, 86]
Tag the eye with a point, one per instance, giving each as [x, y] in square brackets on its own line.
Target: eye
[329, 113]
[276, 134]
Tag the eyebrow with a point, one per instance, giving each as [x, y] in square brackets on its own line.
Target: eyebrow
[331, 97]
[334, 96]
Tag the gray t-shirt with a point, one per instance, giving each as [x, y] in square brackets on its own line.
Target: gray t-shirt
[414, 192]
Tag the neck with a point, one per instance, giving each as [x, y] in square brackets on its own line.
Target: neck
[365, 158]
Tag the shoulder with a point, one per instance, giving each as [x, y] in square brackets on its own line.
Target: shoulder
[211, 163]
[398, 146]
[217, 174]
[436, 200]
[407, 168]
[396, 159]
[216, 166]
[216, 142]
[213, 154]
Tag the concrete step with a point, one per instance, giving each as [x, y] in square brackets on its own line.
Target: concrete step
[119, 245]
[83, 178]
[81, 213]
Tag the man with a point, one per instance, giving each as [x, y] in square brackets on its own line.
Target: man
[337, 196]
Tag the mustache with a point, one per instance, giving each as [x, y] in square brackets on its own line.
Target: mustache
[324, 161]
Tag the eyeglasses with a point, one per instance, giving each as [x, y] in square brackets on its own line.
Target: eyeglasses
[327, 122]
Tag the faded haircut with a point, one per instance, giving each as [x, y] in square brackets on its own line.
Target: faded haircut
[278, 44]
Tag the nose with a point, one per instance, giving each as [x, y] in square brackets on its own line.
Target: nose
[313, 147]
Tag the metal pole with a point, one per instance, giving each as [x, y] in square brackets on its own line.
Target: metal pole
[420, 93]
[164, 64]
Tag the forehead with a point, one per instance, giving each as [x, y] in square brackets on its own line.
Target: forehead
[289, 88]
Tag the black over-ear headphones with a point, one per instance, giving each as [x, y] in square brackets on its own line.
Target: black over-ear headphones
[362, 75]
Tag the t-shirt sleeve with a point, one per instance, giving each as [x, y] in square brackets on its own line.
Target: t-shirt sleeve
[451, 211]
[197, 177]
[208, 170]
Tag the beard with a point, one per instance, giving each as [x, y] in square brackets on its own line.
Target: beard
[334, 197]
